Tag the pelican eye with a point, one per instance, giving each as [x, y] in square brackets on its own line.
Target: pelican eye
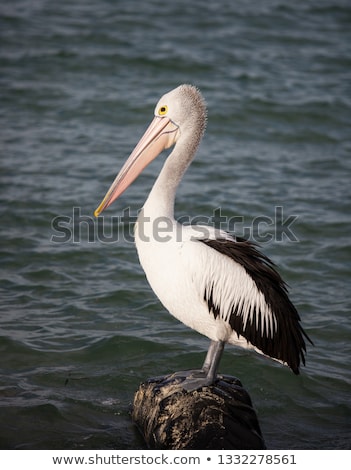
[163, 110]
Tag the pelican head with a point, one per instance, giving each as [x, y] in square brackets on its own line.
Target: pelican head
[178, 113]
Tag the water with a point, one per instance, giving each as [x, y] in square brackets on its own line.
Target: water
[79, 326]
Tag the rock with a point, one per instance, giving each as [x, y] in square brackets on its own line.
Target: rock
[220, 416]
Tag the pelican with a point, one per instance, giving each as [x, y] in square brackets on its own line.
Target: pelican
[215, 283]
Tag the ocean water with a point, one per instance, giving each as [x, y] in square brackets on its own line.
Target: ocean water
[79, 326]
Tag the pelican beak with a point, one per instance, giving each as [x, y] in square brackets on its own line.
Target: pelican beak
[161, 134]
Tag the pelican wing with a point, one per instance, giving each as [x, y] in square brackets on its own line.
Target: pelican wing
[242, 287]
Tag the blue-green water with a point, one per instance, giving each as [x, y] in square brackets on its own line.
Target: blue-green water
[79, 326]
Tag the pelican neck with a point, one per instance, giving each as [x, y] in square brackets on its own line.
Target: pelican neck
[160, 201]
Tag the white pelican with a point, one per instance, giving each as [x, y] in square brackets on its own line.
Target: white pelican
[213, 282]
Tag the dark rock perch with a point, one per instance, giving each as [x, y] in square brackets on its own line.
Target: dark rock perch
[217, 417]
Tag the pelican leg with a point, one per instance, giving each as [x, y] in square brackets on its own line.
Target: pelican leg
[210, 355]
[207, 375]
[204, 369]
[196, 378]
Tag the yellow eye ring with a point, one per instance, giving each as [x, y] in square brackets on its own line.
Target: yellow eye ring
[163, 110]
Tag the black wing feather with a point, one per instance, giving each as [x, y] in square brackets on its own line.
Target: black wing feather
[288, 342]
